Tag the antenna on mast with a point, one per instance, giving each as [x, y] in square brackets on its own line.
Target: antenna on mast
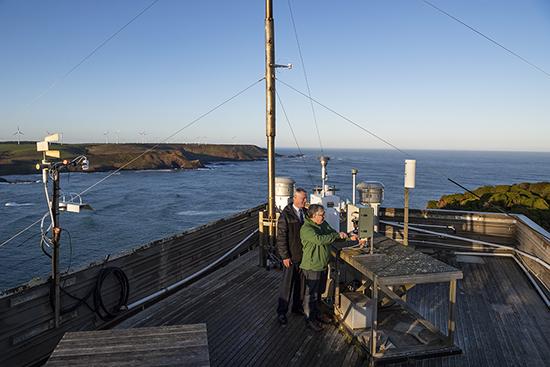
[51, 169]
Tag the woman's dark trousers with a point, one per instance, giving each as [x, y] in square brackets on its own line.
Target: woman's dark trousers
[315, 282]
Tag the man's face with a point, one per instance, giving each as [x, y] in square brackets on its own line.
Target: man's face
[299, 200]
[319, 217]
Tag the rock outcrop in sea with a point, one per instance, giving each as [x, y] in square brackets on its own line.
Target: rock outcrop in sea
[22, 158]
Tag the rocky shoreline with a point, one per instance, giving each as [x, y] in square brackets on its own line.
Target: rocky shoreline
[22, 158]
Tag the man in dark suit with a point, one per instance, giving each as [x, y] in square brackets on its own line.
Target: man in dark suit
[289, 247]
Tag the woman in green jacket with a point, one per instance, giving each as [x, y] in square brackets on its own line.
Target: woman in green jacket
[316, 236]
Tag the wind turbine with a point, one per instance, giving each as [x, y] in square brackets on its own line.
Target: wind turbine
[117, 136]
[18, 132]
[106, 134]
[142, 133]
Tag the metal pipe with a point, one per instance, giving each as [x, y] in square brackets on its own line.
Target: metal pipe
[324, 161]
[270, 105]
[270, 116]
[520, 252]
[190, 277]
[503, 254]
[56, 233]
[353, 189]
[448, 245]
[406, 218]
[535, 284]
[527, 273]
[435, 226]
[451, 323]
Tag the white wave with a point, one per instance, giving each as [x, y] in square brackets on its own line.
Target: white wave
[13, 203]
[154, 170]
[19, 182]
[205, 212]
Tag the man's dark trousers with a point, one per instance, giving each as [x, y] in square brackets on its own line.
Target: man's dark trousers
[291, 286]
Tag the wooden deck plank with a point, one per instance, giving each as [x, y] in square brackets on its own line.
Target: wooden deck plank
[156, 346]
[238, 304]
[530, 351]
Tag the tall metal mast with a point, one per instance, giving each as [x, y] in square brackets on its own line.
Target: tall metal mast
[270, 115]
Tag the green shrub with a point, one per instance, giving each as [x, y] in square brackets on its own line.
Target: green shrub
[530, 199]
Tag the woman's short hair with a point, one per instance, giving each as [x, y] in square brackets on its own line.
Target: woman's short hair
[314, 209]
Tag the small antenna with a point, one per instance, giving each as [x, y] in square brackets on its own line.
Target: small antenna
[52, 168]
[283, 66]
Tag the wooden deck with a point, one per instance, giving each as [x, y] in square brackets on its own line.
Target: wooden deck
[27, 333]
[500, 320]
[177, 345]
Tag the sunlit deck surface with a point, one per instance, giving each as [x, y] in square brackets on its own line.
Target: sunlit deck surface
[501, 321]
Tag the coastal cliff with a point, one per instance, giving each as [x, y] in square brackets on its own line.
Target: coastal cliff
[22, 158]
[530, 199]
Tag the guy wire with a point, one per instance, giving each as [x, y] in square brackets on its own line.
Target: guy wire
[173, 134]
[487, 38]
[388, 143]
[142, 154]
[305, 77]
[310, 176]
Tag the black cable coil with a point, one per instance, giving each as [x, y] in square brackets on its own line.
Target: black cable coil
[123, 297]
[100, 308]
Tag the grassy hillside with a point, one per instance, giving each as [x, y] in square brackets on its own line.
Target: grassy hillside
[531, 199]
[21, 158]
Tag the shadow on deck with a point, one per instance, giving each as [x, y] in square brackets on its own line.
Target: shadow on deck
[500, 319]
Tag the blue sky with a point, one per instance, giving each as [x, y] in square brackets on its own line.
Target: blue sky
[399, 68]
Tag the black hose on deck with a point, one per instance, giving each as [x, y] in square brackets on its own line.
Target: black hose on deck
[99, 308]
[102, 311]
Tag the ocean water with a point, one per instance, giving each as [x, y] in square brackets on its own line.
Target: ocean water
[136, 207]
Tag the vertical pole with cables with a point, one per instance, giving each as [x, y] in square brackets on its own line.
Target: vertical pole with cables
[270, 125]
[56, 234]
[354, 172]
[410, 176]
[406, 218]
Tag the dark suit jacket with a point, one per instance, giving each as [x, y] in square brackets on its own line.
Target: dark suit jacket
[288, 235]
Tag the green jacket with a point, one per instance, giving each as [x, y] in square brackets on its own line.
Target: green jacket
[316, 240]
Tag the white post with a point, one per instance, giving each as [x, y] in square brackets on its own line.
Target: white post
[410, 174]
[353, 189]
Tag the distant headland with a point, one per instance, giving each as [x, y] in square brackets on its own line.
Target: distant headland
[531, 199]
[22, 158]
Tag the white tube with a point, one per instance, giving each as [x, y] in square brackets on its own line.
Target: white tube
[190, 277]
[353, 189]
[541, 293]
[534, 258]
[410, 173]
